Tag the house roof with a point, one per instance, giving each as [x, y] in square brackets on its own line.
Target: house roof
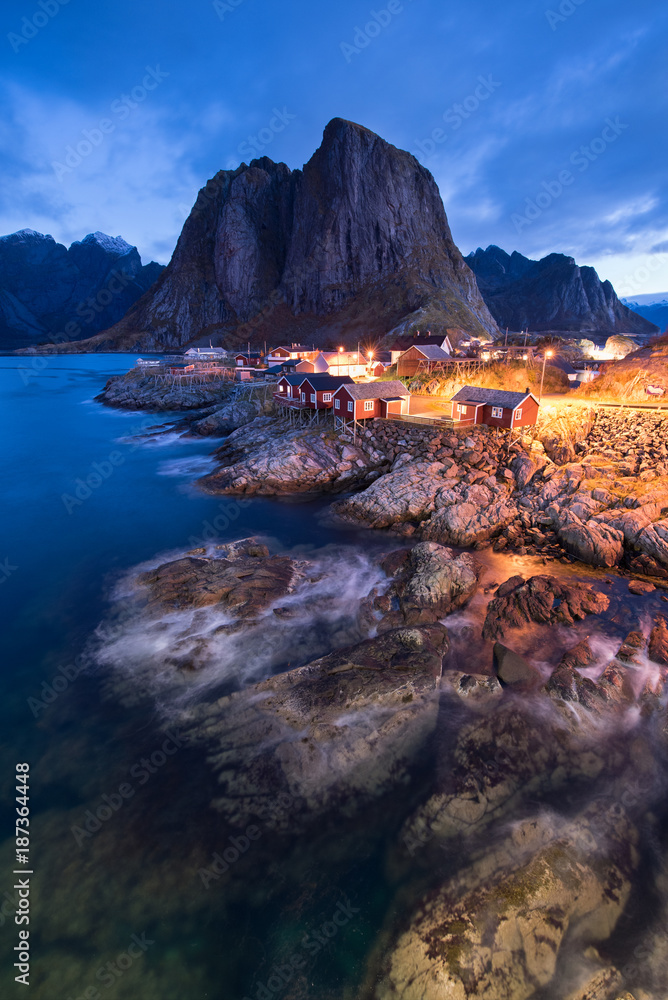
[432, 352]
[493, 397]
[291, 350]
[292, 379]
[206, 350]
[562, 364]
[403, 343]
[343, 357]
[378, 390]
[320, 381]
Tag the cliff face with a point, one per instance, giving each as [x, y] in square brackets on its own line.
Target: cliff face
[44, 286]
[550, 294]
[351, 246]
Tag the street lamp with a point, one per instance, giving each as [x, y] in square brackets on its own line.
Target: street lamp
[546, 355]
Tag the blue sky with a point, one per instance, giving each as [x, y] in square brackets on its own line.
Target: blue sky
[543, 121]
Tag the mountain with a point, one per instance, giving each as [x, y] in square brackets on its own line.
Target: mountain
[550, 294]
[355, 245]
[655, 312]
[51, 294]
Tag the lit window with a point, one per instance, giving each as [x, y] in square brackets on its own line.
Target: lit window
[368, 404]
[497, 411]
[327, 397]
[337, 404]
[518, 414]
[281, 388]
[350, 407]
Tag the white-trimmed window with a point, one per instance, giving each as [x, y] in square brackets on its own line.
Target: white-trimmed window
[337, 404]
[518, 414]
[497, 411]
[350, 407]
[281, 388]
[460, 408]
[303, 397]
[327, 397]
[313, 397]
[368, 404]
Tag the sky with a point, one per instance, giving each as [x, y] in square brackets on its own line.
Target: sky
[542, 121]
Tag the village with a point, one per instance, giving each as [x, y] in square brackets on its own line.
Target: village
[403, 382]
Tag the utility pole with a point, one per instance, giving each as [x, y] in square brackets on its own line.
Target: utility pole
[546, 355]
[506, 341]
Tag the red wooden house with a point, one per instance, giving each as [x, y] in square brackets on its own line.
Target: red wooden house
[311, 394]
[494, 407]
[375, 399]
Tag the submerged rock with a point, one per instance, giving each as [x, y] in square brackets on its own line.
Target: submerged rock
[658, 642]
[334, 734]
[496, 929]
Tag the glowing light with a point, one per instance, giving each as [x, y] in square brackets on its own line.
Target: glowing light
[340, 350]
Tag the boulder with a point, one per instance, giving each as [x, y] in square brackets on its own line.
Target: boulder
[641, 587]
[511, 668]
[542, 599]
[658, 642]
[465, 524]
[592, 542]
[438, 580]
[227, 418]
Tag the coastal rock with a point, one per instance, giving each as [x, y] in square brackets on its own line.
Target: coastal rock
[658, 642]
[138, 390]
[594, 543]
[430, 581]
[267, 459]
[408, 494]
[542, 599]
[496, 929]
[511, 668]
[226, 418]
[464, 524]
[243, 584]
[332, 735]
[653, 541]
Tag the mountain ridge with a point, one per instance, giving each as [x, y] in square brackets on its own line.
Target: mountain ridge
[52, 293]
[552, 294]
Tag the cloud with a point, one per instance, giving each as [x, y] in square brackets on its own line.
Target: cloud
[132, 181]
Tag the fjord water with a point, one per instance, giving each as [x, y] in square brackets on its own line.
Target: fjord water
[62, 553]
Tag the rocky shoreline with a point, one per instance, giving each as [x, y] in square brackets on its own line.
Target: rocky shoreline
[528, 783]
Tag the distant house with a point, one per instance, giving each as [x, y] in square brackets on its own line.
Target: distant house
[420, 358]
[402, 344]
[249, 358]
[564, 366]
[341, 363]
[295, 352]
[206, 353]
[375, 399]
[494, 407]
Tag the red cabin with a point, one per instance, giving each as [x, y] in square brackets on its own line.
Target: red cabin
[375, 399]
[494, 407]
